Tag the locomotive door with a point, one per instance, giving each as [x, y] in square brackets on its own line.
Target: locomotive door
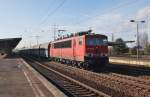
[74, 49]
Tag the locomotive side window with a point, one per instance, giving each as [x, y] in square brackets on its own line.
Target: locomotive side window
[80, 41]
[64, 44]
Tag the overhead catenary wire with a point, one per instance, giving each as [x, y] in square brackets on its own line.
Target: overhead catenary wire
[48, 9]
[49, 13]
[121, 23]
[88, 18]
[107, 11]
[53, 12]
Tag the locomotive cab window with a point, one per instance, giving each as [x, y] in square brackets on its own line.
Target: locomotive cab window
[96, 41]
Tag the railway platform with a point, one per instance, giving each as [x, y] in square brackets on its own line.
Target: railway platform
[18, 79]
[130, 61]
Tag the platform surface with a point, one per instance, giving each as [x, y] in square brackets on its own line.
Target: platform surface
[130, 61]
[17, 81]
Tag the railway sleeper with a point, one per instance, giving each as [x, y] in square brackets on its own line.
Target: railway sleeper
[90, 95]
[75, 91]
[78, 89]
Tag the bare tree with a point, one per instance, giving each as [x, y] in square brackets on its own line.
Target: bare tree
[143, 39]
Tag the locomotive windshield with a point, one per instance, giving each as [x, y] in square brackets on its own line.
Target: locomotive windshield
[96, 41]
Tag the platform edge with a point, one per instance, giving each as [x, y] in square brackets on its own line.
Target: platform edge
[53, 89]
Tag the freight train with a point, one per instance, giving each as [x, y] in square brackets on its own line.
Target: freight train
[83, 49]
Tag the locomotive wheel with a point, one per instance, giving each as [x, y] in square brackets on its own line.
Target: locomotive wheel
[72, 63]
[86, 65]
[76, 64]
[80, 65]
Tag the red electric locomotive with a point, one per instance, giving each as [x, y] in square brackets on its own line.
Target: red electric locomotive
[84, 49]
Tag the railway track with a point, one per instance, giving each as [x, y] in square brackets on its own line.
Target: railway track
[70, 86]
[112, 84]
[141, 72]
[133, 79]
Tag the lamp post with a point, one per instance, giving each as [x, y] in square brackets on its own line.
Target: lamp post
[137, 24]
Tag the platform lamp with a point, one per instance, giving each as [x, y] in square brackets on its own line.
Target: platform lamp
[137, 28]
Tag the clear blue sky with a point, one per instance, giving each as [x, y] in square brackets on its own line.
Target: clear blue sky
[28, 18]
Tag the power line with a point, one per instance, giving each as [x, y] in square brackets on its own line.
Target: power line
[110, 10]
[54, 28]
[121, 23]
[48, 9]
[53, 12]
[50, 13]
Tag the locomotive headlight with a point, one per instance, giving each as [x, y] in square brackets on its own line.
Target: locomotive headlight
[106, 54]
[89, 55]
[101, 54]
[92, 54]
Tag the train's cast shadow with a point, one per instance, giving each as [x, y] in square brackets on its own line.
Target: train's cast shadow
[126, 70]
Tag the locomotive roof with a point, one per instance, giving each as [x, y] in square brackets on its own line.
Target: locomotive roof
[68, 38]
[78, 34]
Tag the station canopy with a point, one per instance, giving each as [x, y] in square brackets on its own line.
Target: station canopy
[8, 44]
